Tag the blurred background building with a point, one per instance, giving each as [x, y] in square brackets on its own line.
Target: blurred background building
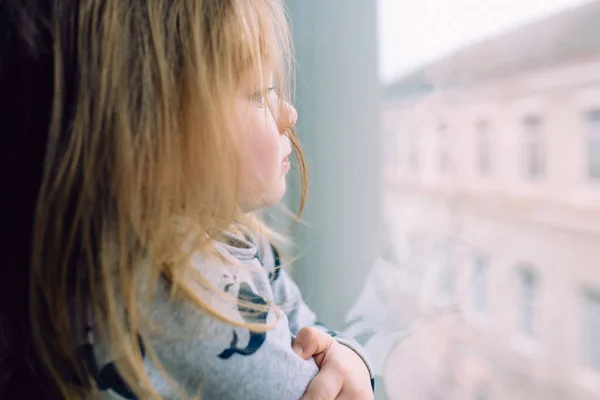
[492, 189]
[453, 225]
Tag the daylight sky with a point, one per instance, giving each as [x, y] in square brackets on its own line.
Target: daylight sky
[414, 32]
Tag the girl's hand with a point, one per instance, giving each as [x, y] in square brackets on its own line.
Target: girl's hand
[342, 375]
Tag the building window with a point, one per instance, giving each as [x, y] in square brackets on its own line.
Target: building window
[591, 330]
[527, 299]
[593, 144]
[444, 149]
[534, 164]
[445, 272]
[484, 148]
[480, 286]
[413, 151]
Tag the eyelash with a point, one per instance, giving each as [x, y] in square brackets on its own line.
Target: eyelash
[259, 96]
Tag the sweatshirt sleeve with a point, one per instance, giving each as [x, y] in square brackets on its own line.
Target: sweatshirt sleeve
[288, 296]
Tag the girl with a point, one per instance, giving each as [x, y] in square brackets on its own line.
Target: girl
[144, 134]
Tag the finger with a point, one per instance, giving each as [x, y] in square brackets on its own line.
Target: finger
[355, 397]
[311, 341]
[344, 395]
[325, 386]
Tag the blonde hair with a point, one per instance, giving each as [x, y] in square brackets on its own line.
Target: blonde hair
[141, 158]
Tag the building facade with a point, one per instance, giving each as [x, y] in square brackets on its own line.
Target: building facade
[493, 205]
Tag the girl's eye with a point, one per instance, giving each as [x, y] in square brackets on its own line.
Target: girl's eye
[259, 96]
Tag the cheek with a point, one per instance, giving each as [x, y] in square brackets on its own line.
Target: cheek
[266, 156]
[262, 145]
[264, 139]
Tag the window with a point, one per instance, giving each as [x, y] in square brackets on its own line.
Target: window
[533, 148]
[479, 281]
[446, 272]
[444, 150]
[593, 144]
[413, 151]
[486, 100]
[591, 330]
[483, 148]
[504, 100]
[527, 298]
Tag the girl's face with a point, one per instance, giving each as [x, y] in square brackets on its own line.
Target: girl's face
[264, 121]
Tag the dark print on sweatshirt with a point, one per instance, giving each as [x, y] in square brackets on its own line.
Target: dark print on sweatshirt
[108, 377]
[250, 316]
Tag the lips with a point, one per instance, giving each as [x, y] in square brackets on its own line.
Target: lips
[285, 163]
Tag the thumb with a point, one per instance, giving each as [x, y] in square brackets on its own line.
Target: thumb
[311, 341]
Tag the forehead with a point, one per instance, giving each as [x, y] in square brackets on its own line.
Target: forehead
[262, 44]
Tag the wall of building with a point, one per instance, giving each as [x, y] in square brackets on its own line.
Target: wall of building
[551, 226]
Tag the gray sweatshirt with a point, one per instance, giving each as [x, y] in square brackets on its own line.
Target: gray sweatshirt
[204, 356]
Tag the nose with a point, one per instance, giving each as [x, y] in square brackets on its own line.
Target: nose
[288, 117]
